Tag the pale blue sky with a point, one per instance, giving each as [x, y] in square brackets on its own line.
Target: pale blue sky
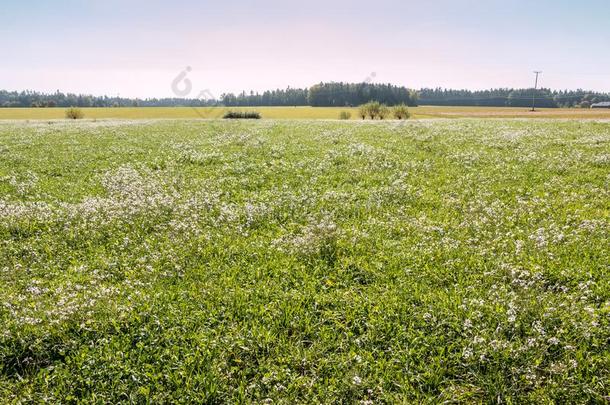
[137, 47]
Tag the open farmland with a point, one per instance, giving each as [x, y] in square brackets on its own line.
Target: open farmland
[304, 261]
[299, 112]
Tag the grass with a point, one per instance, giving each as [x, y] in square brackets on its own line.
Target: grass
[305, 261]
[299, 112]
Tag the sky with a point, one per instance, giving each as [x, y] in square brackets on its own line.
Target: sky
[145, 48]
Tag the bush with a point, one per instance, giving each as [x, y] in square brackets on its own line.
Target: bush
[74, 113]
[253, 115]
[345, 115]
[363, 111]
[401, 112]
[372, 109]
[383, 111]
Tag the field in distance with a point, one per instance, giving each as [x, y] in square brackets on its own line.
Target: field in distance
[300, 112]
[286, 261]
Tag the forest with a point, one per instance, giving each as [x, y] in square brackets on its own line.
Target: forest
[332, 94]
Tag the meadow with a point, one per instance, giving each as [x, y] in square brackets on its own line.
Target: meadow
[299, 112]
[286, 261]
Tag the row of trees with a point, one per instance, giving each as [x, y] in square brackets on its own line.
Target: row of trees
[324, 95]
[59, 99]
[288, 97]
[352, 94]
[511, 97]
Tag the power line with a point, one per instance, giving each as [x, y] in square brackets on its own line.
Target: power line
[537, 72]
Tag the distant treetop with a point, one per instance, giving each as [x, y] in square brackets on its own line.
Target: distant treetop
[332, 94]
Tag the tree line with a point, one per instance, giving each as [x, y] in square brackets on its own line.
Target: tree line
[333, 94]
[353, 94]
[511, 97]
[58, 99]
[278, 97]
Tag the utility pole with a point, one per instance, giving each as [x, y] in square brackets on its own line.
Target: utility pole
[537, 72]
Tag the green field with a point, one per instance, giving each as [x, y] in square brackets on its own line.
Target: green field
[461, 260]
[298, 112]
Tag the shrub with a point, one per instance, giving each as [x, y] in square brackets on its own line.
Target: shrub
[345, 115]
[242, 115]
[401, 112]
[372, 109]
[363, 111]
[383, 111]
[74, 113]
